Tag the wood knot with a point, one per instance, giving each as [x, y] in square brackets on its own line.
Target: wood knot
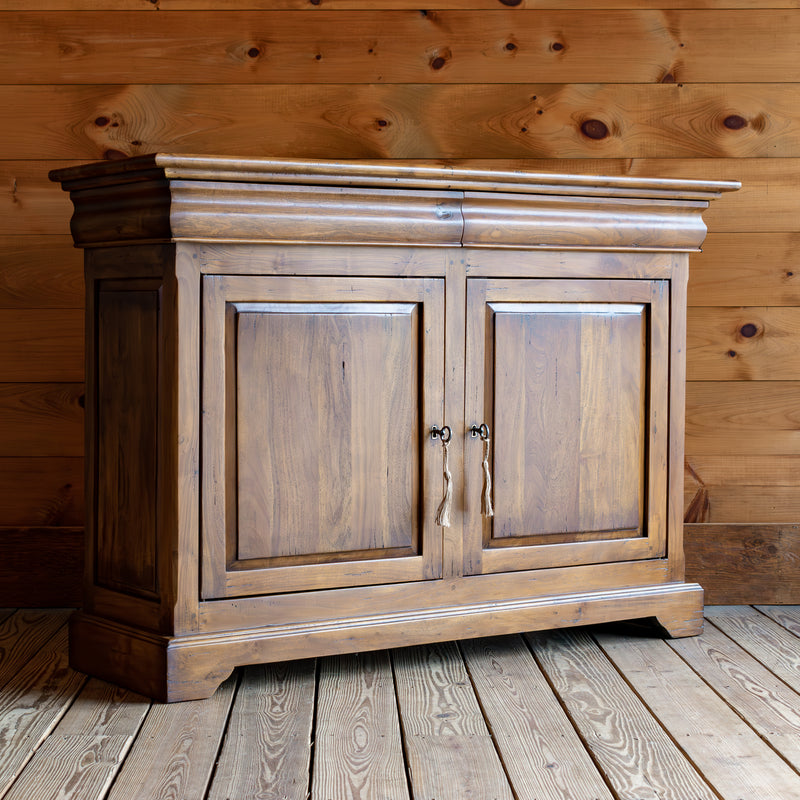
[556, 47]
[511, 47]
[668, 78]
[114, 155]
[101, 122]
[438, 62]
[253, 52]
[748, 330]
[594, 129]
[734, 122]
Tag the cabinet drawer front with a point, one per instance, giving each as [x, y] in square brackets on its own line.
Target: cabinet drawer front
[572, 378]
[316, 397]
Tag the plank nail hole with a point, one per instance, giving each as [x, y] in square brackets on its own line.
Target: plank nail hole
[540, 111]
[732, 353]
[734, 122]
[318, 57]
[749, 330]
[510, 2]
[594, 129]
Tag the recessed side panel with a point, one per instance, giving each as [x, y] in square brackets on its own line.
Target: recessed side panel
[126, 478]
[327, 451]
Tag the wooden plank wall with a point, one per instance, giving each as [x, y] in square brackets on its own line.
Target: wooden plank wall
[694, 88]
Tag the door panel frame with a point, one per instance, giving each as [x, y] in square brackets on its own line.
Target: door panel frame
[479, 556]
[221, 575]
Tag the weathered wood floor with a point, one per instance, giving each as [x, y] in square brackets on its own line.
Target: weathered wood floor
[577, 715]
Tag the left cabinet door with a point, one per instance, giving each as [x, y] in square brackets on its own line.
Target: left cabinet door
[318, 469]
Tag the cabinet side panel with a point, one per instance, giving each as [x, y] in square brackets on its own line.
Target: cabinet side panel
[127, 410]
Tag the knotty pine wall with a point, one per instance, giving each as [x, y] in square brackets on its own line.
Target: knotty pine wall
[695, 88]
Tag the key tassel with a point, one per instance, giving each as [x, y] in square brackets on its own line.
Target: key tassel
[445, 507]
[486, 496]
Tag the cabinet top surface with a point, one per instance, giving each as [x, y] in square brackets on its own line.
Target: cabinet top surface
[382, 174]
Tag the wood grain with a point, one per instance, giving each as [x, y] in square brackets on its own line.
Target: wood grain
[738, 764]
[745, 563]
[746, 269]
[33, 702]
[41, 491]
[636, 755]
[751, 417]
[743, 344]
[541, 751]
[41, 419]
[403, 46]
[443, 728]
[41, 345]
[177, 5]
[174, 753]
[267, 747]
[358, 751]
[370, 120]
[756, 694]
[787, 616]
[23, 634]
[58, 554]
[773, 645]
[86, 749]
[40, 272]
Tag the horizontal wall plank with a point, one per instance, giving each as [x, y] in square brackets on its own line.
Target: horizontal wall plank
[768, 200]
[733, 417]
[742, 488]
[739, 344]
[404, 121]
[742, 470]
[744, 563]
[739, 504]
[41, 491]
[41, 567]
[318, 5]
[504, 45]
[41, 419]
[41, 345]
[740, 269]
[40, 272]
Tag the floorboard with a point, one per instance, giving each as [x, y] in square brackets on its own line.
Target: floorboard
[594, 713]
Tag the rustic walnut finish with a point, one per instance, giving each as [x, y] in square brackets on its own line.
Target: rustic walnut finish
[269, 344]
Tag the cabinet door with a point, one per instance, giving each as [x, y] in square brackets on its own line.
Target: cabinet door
[318, 470]
[571, 376]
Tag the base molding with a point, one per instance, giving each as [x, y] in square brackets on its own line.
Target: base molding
[188, 667]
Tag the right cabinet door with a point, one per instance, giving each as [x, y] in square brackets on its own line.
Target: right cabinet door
[571, 379]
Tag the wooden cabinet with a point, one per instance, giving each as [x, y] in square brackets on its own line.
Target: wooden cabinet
[277, 353]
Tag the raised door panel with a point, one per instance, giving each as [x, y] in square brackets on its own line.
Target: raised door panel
[571, 378]
[320, 391]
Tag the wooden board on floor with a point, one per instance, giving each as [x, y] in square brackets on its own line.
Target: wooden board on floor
[638, 758]
[766, 640]
[22, 634]
[32, 703]
[85, 751]
[541, 751]
[358, 751]
[729, 753]
[755, 693]
[444, 729]
[787, 616]
[174, 753]
[267, 745]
